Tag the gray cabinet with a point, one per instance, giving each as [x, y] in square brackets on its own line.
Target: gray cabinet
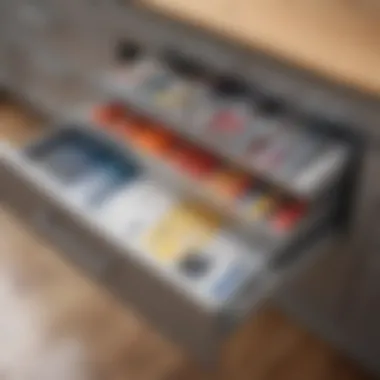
[63, 55]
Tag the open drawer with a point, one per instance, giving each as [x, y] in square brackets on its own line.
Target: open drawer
[224, 113]
[187, 269]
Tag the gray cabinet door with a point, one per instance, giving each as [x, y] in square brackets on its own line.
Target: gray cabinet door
[361, 312]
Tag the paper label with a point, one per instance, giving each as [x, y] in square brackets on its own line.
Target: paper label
[135, 210]
[184, 228]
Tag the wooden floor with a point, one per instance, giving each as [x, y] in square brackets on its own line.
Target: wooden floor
[121, 345]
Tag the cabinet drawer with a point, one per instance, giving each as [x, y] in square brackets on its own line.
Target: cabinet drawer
[196, 278]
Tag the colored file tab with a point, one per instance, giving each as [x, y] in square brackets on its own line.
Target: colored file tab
[288, 216]
[229, 183]
[193, 161]
[258, 203]
[154, 140]
[260, 208]
[109, 114]
[228, 122]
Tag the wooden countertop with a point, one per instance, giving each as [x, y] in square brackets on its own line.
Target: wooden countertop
[339, 39]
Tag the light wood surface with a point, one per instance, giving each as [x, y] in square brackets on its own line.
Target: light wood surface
[339, 39]
[121, 345]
